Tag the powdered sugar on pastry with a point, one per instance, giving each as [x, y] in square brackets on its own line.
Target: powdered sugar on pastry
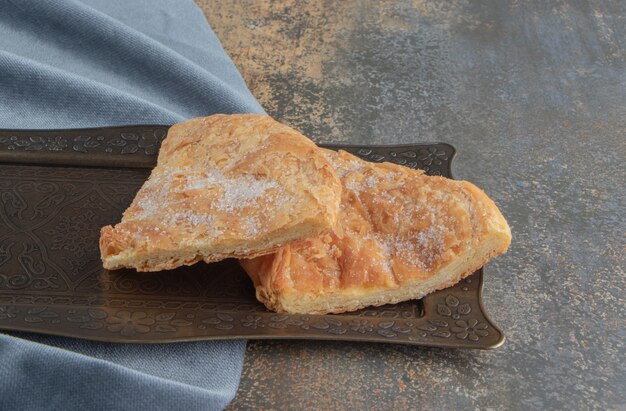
[224, 186]
[400, 235]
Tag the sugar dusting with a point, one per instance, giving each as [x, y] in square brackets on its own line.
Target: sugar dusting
[344, 167]
[244, 193]
[252, 225]
[237, 192]
[154, 193]
[419, 247]
[192, 218]
[422, 249]
[166, 194]
[209, 178]
[372, 181]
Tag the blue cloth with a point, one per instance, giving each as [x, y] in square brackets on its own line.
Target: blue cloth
[112, 62]
[66, 64]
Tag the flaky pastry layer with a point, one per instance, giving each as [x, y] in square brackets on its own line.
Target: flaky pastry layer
[399, 235]
[224, 186]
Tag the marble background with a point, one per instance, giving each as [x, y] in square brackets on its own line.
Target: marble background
[533, 96]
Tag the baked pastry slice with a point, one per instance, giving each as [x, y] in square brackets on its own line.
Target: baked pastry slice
[224, 186]
[400, 235]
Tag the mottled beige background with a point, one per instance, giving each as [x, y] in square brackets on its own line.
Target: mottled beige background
[532, 93]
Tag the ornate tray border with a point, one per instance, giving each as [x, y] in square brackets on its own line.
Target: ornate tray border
[453, 317]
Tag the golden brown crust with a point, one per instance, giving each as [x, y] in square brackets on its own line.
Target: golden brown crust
[224, 186]
[400, 235]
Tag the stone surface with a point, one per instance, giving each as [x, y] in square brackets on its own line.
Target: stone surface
[533, 96]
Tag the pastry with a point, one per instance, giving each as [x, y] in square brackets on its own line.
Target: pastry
[224, 186]
[399, 235]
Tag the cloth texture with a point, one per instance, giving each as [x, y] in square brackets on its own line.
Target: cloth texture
[92, 63]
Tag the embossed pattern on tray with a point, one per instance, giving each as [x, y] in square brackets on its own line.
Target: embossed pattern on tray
[57, 188]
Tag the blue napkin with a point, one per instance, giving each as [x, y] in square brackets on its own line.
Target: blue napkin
[91, 63]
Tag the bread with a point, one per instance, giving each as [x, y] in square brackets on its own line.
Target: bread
[400, 235]
[224, 186]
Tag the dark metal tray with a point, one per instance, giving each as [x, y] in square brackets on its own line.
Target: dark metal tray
[57, 188]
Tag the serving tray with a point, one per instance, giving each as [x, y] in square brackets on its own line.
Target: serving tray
[57, 188]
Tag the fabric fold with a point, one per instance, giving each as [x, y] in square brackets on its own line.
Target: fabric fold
[113, 44]
[96, 63]
[91, 375]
